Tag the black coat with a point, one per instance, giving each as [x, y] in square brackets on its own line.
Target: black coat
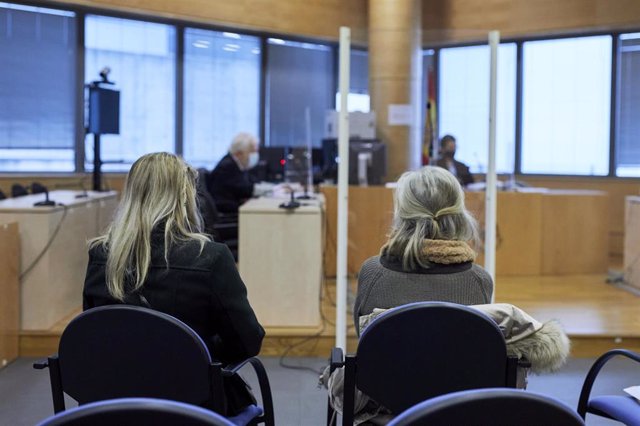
[204, 290]
[230, 186]
[462, 171]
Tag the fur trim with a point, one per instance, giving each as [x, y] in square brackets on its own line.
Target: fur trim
[447, 251]
[547, 349]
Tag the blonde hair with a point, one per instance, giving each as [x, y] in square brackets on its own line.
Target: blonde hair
[160, 188]
[428, 203]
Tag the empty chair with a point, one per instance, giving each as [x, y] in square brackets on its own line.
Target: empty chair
[18, 190]
[624, 409]
[38, 188]
[2, 196]
[489, 407]
[136, 412]
[422, 350]
[120, 351]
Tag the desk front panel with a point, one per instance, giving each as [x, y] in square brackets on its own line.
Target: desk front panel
[280, 261]
[51, 287]
[538, 233]
[9, 292]
[632, 242]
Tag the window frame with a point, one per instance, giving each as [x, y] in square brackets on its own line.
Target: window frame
[519, 41]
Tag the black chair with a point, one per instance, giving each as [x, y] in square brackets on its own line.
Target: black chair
[38, 188]
[18, 190]
[222, 226]
[624, 409]
[421, 350]
[2, 196]
[489, 407]
[136, 412]
[121, 351]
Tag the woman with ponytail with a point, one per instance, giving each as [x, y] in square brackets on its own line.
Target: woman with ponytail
[155, 255]
[427, 256]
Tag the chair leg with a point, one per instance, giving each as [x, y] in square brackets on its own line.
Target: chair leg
[57, 393]
[512, 372]
[349, 390]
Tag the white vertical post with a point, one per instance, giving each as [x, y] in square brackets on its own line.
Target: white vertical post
[343, 191]
[491, 193]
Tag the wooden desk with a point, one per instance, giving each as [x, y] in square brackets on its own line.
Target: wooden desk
[540, 232]
[280, 255]
[632, 241]
[9, 292]
[52, 288]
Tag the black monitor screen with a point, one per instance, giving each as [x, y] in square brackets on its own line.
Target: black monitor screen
[367, 163]
[374, 151]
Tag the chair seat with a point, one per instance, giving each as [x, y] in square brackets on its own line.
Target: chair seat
[245, 417]
[624, 409]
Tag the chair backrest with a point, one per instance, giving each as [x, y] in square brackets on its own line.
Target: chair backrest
[421, 350]
[496, 407]
[123, 351]
[38, 188]
[18, 190]
[135, 412]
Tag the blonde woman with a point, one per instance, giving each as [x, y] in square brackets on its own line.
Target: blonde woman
[426, 257]
[154, 254]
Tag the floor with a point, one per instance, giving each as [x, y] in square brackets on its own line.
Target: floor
[25, 395]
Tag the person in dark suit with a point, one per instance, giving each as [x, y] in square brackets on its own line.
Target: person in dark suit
[446, 161]
[230, 183]
[155, 255]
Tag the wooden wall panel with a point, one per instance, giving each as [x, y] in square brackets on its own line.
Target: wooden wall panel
[9, 292]
[311, 18]
[446, 21]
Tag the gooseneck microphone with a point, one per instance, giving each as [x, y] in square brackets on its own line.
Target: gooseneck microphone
[47, 202]
[292, 204]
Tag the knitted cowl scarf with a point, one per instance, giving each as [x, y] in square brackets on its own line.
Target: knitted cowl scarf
[446, 252]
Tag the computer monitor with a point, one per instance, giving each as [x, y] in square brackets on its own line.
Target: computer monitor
[367, 163]
[373, 150]
[271, 165]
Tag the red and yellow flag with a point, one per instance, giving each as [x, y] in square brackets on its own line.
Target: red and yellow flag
[430, 134]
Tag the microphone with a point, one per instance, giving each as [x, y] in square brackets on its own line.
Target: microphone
[292, 204]
[47, 202]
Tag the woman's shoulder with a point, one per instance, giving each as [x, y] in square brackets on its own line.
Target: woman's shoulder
[97, 252]
[204, 253]
[371, 264]
[480, 272]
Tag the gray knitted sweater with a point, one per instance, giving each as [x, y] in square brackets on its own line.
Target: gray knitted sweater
[382, 283]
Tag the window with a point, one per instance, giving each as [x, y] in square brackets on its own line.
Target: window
[464, 104]
[566, 106]
[628, 106]
[142, 59]
[37, 88]
[299, 79]
[221, 92]
[358, 97]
